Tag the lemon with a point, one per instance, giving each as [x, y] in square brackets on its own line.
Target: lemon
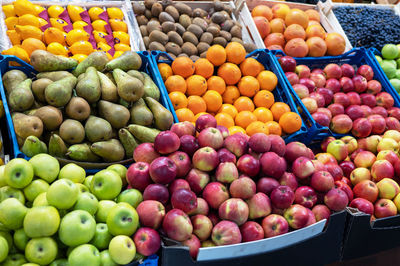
[79, 57]
[55, 11]
[58, 23]
[77, 35]
[99, 25]
[81, 47]
[99, 36]
[121, 37]
[54, 35]
[117, 54]
[42, 22]
[57, 49]
[79, 25]
[122, 47]
[22, 7]
[29, 31]
[9, 11]
[94, 13]
[118, 25]
[101, 46]
[14, 37]
[38, 9]
[115, 12]
[18, 52]
[74, 12]
[11, 22]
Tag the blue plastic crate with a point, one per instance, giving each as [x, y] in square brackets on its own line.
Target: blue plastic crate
[281, 92]
[146, 67]
[355, 57]
[151, 260]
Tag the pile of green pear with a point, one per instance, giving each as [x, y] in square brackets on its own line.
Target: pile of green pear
[99, 112]
[53, 216]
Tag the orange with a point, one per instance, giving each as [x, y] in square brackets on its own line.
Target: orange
[290, 122]
[121, 37]
[185, 114]
[54, 35]
[245, 118]
[264, 98]
[54, 11]
[118, 25]
[81, 47]
[267, 80]
[11, 22]
[257, 127]
[235, 53]
[231, 94]
[216, 54]
[99, 36]
[57, 49]
[183, 66]
[165, 71]
[196, 85]
[77, 35]
[9, 11]
[248, 86]
[217, 84]
[198, 115]
[14, 37]
[235, 129]
[175, 83]
[244, 103]
[278, 109]
[178, 100]
[251, 67]
[94, 13]
[98, 25]
[228, 109]
[196, 104]
[230, 73]
[79, 24]
[74, 13]
[213, 101]
[263, 114]
[28, 19]
[225, 120]
[204, 68]
[58, 23]
[115, 12]
[31, 44]
[122, 47]
[79, 57]
[274, 128]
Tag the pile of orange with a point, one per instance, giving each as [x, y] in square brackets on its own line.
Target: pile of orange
[24, 29]
[234, 89]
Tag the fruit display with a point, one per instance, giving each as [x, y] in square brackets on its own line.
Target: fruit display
[181, 30]
[53, 216]
[98, 112]
[296, 32]
[368, 26]
[348, 100]
[242, 93]
[390, 63]
[68, 30]
[220, 189]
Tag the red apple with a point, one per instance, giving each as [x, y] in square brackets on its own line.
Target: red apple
[345, 188]
[327, 94]
[392, 123]
[194, 245]
[305, 196]
[259, 206]
[341, 124]
[147, 241]
[318, 71]
[321, 118]
[384, 208]
[336, 109]
[138, 176]
[303, 167]
[226, 233]
[318, 79]
[202, 207]
[388, 188]
[368, 100]
[335, 170]
[347, 70]
[367, 110]
[394, 112]
[272, 164]
[336, 199]
[243, 188]
[301, 90]
[274, 225]
[384, 99]
[319, 98]
[224, 131]
[360, 83]
[183, 128]
[294, 150]
[364, 159]
[166, 142]
[309, 83]
[333, 85]
[302, 71]
[374, 87]
[288, 179]
[321, 212]
[366, 71]
[205, 159]
[297, 216]
[310, 104]
[292, 77]
[151, 213]
[251, 231]
[235, 210]
[354, 98]
[210, 137]
[184, 199]
[277, 145]
[366, 189]
[202, 226]
[282, 197]
[325, 158]
[177, 225]
[266, 185]
[311, 218]
[248, 165]
[388, 155]
[189, 144]
[351, 143]
[379, 110]
[215, 193]
[178, 184]
[205, 121]
[182, 162]
[156, 192]
[362, 205]
[145, 152]
[322, 181]
[260, 143]
[354, 112]
[237, 144]
[213, 216]
[381, 169]
[226, 156]
[319, 166]
[325, 142]
[226, 173]
[163, 170]
[197, 180]
[287, 63]
[378, 124]
[333, 71]
[341, 98]
[347, 84]
[359, 174]
[361, 128]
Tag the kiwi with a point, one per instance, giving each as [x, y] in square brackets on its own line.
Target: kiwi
[189, 48]
[156, 9]
[213, 30]
[173, 48]
[180, 29]
[168, 26]
[201, 23]
[190, 37]
[142, 20]
[202, 47]
[158, 36]
[194, 57]
[185, 20]
[152, 26]
[207, 37]
[143, 30]
[220, 40]
[183, 8]
[214, 25]
[175, 37]
[154, 19]
[229, 9]
[226, 35]
[173, 12]
[182, 55]
[236, 32]
[164, 16]
[218, 18]
[156, 46]
[235, 39]
[196, 30]
[203, 54]
[227, 25]
[218, 5]
[237, 24]
[226, 15]
[146, 41]
[172, 56]
[249, 47]
[148, 14]
[138, 9]
[198, 12]
[166, 3]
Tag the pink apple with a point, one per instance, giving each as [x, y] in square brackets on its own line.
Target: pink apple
[347, 84]
[183, 128]
[318, 71]
[374, 87]
[189, 144]
[178, 184]
[333, 71]
[225, 155]
[366, 71]
[388, 188]
[341, 98]
[311, 218]
[305, 196]
[260, 143]
[151, 213]
[321, 212]
[354, 112]
[368, 100]
[303, 167]
[138, 176]
[226, 233]
[156, 192]
[310, 104]
[243, 188]
[362, 205]
[351, 143]
[309, 83]
[359, 174]
[384, 208]
[205, 121]
[202, 226]
[266, 185]
[215, 193]
[272, 164]
[235, 210]
[347, 70]
[341, 124]
[184, 200]
[366, 189]
[333, 85]
[367, 110]
[336, 199]
[372, 143]
[361, 128]
[277, 145]
[318, 79]
[288, 179]
[274, 225]
[388, 155]
[392, 123]
[345, 188]
[379, 110]
[321, 118]
[297, 216]
[282, 197]
[210, 137]
[394, 112]
[336, 109]
[287, 63]
[237, 144]
[166, 142]
[378, 124]
[248, 165]
[294, 150]
[354, 98]
[224, 131]
[197, 180]
[292, 77]
[384, 99]
[325, 143]
[213, 216]
[145, 152]
[177, 225]
[205, 159]
[327, 94]
[319, 166]
[381, 169]
[202, 207]
[301, 90]
[302, 71]
[251, 231]
[163, 170]
[322, 181]
[194, 245]
[259, 206]
[182, 162]
[325, 158]
[335, 170]
[147, 241]
[364, 159]
[226, 173]
[360, 83]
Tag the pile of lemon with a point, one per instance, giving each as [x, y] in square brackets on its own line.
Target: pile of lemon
[24, 31]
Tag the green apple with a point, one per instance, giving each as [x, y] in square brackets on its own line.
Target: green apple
[3, 249]
[88, 181]
[45, 166]
[396, 83]
[9, 192]
[101, 237]
[121, 171]
[389, 69]
[106, 185]
[390, 51]
[122, 249]
[18, 173]
[84, 255]
[41, 200]
[106, 259]
[59, 262]
[41, 250]
[62, 194]
[14, 260]
[20, 239]
[7, 236]
[41, 221]
[104, 207]
[36, 187]
[82, 188]
[77, 228]
[2, 177]
[87, 202]
[131, 196]
[12, 213]
[73, 172]
[122, 220]
[378, 58]
[30, 264]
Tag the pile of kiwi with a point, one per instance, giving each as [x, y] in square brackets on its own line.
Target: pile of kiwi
[176, 28]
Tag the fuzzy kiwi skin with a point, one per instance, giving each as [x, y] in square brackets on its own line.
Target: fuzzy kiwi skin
[201, 23]
[207, 37]
[143, 31]
[156, 46]
[173, 12]
[183, 8]
[158, 36]
[190, 37]
[185, 21]
[173, 48]
[189, 48]
[226, 35]
[202, 47]
[175, 38]
[213, 30]
[142, 20]
[152, 26]
[180, 29]
[146, 41]
[236, 32]
[168, 26]
[156, 9]
[220, 40]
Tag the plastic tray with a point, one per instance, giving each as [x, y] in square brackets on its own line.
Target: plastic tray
[281, 92]
[28, 69]
[356, 57]
[150, 261]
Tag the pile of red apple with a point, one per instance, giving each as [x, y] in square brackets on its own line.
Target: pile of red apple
[345, 99]
[218, 189]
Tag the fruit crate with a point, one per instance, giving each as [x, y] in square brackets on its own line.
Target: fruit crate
[356, 57]
[150, 261]
[275, 250]
[29, 71]
[281, 92]
[241, 14]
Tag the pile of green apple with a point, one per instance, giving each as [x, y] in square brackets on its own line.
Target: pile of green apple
[390, 63]
[53, 216]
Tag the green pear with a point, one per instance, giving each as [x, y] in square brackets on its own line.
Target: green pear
[27, 125]
[59, 92]
[57, 146]
[128, 141]
[21, 97]
[96, 59]
[33, 146]
[98, 129]
[109, 90]
[82, 153]
[43, 61]
[50, 116]
[89, 87]
[78, 109]
[39, 87]
[116, 114]
[129, 88]
[127, 61]
[72, 131]
[163, 118]
[54, 75]
[141, 114]
[110, 150]
[143, 134]
[150, 88]
[136, 74]
[12, 78]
